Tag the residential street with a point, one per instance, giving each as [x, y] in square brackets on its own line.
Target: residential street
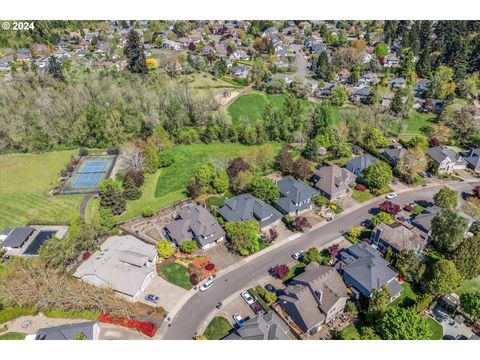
[188, 319]
[300, 62]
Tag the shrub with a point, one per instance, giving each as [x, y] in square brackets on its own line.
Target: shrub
[194, 279]
[334, 250]
[390, 207]
[476, 191]
[209, 266]
[360, 187]
[301, 223]
[270, 297]
[144, 327]
[165, 249]
[320, 200]
[147, 211]
[113, 150]
[72, 314]
[273, 234]
[189, 246]
[83, 151]
[408, 208]
[13, 313]
[136, 176]
[280, 271]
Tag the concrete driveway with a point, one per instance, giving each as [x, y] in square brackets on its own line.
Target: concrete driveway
[221, 257]
[112, 332]
[300, 62]
[169, 294]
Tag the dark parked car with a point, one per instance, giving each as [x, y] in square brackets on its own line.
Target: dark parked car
[271, 288]
[152, 298]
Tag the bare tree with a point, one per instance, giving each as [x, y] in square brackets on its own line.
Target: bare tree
[133, 158]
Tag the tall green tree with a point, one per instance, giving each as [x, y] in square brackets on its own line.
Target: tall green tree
[446, 198]
[135, 53]
[403, 324]
[323, 69]
[470, 303]
[264, 189]
[448, 229]
[443, 277]
[467, 257]
[378, 175]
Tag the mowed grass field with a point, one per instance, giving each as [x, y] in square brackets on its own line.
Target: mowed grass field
[25, 180]
[252, 105]
[416, 123]
[168, 185]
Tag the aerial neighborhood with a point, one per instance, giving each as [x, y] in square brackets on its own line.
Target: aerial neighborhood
[321, 179]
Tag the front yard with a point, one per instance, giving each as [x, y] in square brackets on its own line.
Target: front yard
[218, 328]
[294, 271]
[177, 274]
[361, 196]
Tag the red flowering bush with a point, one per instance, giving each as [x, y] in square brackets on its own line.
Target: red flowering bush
[194, 279]
[209, 266]
[390, 207]
[280, 271]
[434, 142]
[301, 223]
[334, 250]
[86, 255]
[360, 187]
[476, 191]
[144, 327]
[273, 234]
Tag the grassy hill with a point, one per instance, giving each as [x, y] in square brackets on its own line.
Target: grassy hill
[25, 180]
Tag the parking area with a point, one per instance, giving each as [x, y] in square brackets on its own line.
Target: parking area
[452, 327]
[168, 293]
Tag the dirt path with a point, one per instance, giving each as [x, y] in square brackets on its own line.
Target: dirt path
[233, 95]
[83, 205]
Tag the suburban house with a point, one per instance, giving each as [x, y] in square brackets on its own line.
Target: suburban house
[194, 222]
[445, 159]
[423, 221]
[241, 71]
[333, 181]
[315, 297]
[16, 237]
[245, 207]
[361, 94]
[295, 196]
[81, 331]
[363, 269]
[398, 83]
[472, 157]
[391, 60]
[393, 154]
[267, 326]
[358, 164]
[123, 263]
[398, 237]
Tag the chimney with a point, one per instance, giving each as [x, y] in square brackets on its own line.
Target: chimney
[377, 236]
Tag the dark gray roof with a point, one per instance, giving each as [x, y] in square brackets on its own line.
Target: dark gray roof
[67, 332]
[195, 222]
[6, 231]
[268, 326]
[362, 162]
[394, 154]
[362, 92]
[245, 207]
[440, 153]
[423, 221]
[294, 194]
[18, 236]
[473, 158]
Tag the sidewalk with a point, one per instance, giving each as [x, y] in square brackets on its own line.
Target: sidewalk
[161, 331]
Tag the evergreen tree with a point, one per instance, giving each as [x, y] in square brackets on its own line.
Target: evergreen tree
[135, 53]
[323, 70]
[396, 106]
[130, 190]
[423, 66]
[111, 197]
[55, 68]
[425, 34]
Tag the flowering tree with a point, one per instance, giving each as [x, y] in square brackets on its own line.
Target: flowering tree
[334, 250]
[390, 207]
[301, 223]
[476, 191]
[280, 271]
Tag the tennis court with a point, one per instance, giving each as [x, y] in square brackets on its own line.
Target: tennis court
[89, 173]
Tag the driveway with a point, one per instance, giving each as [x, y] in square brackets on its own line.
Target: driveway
[112, 332]
[220, 256]
[191, 315]
[301, 62]
[169, 293]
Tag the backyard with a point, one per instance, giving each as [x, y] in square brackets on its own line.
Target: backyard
[24, 185]
[218, 328]
[416, 124]
[469, 286]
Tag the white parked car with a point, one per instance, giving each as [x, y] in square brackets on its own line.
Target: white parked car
[238, 319]
[391, 196]
[298, 255]
[248, 298]
[208, 284]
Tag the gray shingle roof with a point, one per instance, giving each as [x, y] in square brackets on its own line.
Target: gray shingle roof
[245, 207]
[361, 162]
[195, 222]
[17, 237]
[473, 158]
[400, 237]
[67, 332]
[268, 326]
[294, 194]
[423, 221]
[440, 153]
[333, 178]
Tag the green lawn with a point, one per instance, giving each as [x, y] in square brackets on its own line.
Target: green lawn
[25, 182]
[218, 328]
[407, 297]
[218, 201]
[416, 124]
[13, 336]
[361, 196]
[294, 271]
[252, 105]
[418, 180]
[437, 329]
[469, 286]
[177, 274]
[417, 209]
[350, 333]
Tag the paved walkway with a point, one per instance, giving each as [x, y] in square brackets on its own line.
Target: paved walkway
[83, 205]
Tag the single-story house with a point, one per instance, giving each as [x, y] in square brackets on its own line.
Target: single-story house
[333, 181]
[363, 269]
[123, 263]
[267, 326]
[398, 237]
[393, 154]
[295, 196]
[446, 159]
[358, 164]
[16, 237]
[472, 157]
[245, 207]
[81, 331]
[194, 222]
[315, 297]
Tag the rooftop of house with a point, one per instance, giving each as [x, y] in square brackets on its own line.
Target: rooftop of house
[195, 222]
[293, 192]
[267, 326]
[17, 237]
[67, 332]
[400, 237]
[441, 153]
[362, 162]
[332, 178]
[121, 263]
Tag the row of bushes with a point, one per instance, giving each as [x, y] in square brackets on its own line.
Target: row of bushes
[146, 328]
[13, 313]
[261, 302]
[73, 314]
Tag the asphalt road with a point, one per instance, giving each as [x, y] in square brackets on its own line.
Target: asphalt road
[189, 318]
[300, 62]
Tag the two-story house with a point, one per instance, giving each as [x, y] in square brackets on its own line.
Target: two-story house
[333, 181]
[295, 196]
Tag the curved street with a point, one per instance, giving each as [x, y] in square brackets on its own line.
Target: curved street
[190, 316]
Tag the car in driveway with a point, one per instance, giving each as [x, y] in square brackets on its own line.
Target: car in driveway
[207, 285]
[152, 298]
[257, 309]
[391, 196]
[238, 319]
[248, 298]
[271, 288]
[298, 255]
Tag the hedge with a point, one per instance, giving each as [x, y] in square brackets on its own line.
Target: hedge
[13, 313]
[261, 302]
[72, 314]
